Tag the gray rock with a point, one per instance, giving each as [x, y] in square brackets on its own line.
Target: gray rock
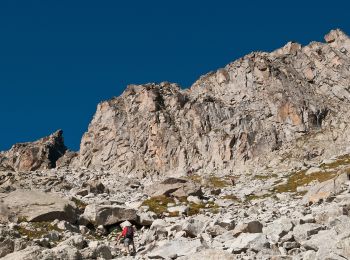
[227, 223]
[215, 230]
[6, 247]
[327, 212]
[302, 232]
[181, 209]
[209, 254]
[157, 224]
[96, 187]
[175, 187]
[64, 225]
[250, 227]
[277, 229]
[180, 247]
[108, 214]
[36, 206]
[307, 219]
[62, 252]
[194, 199]
[146, 218]
[253, 241]
[193, 227]
[323, 243]
[29, 253]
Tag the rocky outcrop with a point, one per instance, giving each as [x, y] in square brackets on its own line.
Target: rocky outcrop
[108, 214]
[41, 154]
[262, 107]
[174, 187]
[37, 206]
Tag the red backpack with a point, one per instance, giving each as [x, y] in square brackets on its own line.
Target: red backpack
[129, 232]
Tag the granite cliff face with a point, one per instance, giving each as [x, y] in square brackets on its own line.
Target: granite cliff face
[290, 104]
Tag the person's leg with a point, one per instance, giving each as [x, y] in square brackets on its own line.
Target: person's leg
[133, 246]
[126, 245]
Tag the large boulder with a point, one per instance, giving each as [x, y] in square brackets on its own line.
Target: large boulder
[62, 252]
[277, 229]
[36, 206]
[176, 248]
[245, 241]
[146, 218]
[302, 232]
[41, 154]
[325, 189]
[210, 254]
[108, 214]
[250, 227]
[174, 186]
[29, 253]
[194, 226]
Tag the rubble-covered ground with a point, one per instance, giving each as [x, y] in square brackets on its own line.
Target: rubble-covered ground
[301, 213]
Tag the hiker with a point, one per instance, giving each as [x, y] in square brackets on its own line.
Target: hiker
[128, 234]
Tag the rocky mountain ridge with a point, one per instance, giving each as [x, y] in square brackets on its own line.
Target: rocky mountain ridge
[261, 107]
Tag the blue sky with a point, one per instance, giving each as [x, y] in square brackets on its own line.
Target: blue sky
[59, 58]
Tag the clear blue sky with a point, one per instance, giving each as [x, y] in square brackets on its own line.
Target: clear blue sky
[59, 58]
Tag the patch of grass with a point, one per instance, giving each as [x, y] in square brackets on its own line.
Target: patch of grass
[195, 209]
[158, 204]
[195, 178]
[265, 177]
[22, 219]
[261, 177]
[36, 229]
[298, 179]
[340, 161]
[301, 193]
[80, 204]
[230, 197]
[183, 199]
[211, 181]
[216, 182]
[256, 197]
[173, 214]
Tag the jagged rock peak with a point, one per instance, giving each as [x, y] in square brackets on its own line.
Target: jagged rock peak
[40, 154]
[258, 106]
[334, 35]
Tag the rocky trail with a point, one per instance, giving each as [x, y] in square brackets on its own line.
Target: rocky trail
[251, 162]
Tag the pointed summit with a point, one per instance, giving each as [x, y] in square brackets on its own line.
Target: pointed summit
[338, 39]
